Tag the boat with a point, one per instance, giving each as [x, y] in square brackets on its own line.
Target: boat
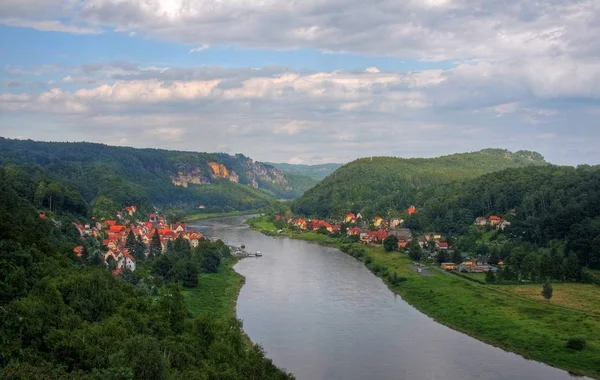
[258, 253]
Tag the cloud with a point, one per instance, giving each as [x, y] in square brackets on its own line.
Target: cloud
[199, 48]
[307, 114]
[51, 26]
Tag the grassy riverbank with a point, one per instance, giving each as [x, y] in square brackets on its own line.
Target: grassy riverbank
[216, 293]
[200, 216]
[499, 315]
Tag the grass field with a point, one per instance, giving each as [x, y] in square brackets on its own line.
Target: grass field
[216, 292]
[509, 317]
[199, 216]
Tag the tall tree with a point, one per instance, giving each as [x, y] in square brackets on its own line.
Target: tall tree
[155, 245]
[390, 243]
[456, 256]
[415, 252]
[130, 242]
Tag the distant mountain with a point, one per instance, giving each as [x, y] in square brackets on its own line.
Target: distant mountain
[316, 172]
[218, 181]
[387, 185]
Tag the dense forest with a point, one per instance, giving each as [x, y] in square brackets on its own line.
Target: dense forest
[552, 210]
[146, 177]
[63, 316]
[385, 185]
[316, 172]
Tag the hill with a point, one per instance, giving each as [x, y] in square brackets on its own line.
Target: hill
[316, 172]
[388, 185]
[146, 177]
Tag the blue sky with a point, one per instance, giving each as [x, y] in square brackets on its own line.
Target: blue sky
[305, 82]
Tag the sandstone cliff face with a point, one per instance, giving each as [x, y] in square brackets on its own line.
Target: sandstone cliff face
[253, 173]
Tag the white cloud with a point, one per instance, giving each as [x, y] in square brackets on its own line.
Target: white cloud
[199, 48]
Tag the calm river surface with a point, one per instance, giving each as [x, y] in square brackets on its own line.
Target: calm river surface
[321, 314]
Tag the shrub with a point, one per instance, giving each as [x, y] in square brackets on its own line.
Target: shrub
[576, 343]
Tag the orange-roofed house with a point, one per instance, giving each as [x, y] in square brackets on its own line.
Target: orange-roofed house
[127, 260]
[277, 218]
[350, 218]
[116, 228]
[354, 231]
[110, 222]
[78, 251]
[412, 209]
[377, 221]
[131, 210]
[179, 227]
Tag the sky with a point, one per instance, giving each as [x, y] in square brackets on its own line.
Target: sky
[306, 81]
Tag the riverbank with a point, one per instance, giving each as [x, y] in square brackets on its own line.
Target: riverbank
[216, 293]
[532, 329]
[200, 216]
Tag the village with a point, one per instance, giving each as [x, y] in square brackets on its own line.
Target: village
[114, 233]
[375, 231]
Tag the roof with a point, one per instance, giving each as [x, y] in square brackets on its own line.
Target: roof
[110, 222]
[78, 250]
[443, 244]
[494, 217]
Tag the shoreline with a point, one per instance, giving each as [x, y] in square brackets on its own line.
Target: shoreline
[200, 216]
[423, 293]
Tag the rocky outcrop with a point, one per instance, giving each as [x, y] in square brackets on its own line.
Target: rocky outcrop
[221, 171]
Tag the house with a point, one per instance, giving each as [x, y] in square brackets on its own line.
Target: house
[402, 244]
[448, 266]
[277, 218]
[201, 207]
[126, 260]
[394, 223]
[109, 223]
[411, 210]
[354, 231]
[481, 221]
[179, 227]
[301, 223]
[116, 228]
[131, 210]
[495, 220]
[503, 224]
[42, 215]
[78, 251]
[442, 246]
[350, 218]
[377, 221]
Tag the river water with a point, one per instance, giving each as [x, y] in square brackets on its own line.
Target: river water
[321, 314]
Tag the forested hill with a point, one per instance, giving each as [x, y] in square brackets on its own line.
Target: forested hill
[64, 317]
[387, 185]
[127, 176]
[316, 172]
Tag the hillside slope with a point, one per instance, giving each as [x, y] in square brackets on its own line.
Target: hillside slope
[387, 185]
[316, 172]
[218, 181]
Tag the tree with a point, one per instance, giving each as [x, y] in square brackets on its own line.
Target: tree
[547, 291]
[155, 245]
[390, 243]
[456, 256]
[415, 252]
[130, 242]
[571, 266]
[546, 266]
[490, 276]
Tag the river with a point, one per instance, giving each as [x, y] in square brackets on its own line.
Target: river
[321, 314]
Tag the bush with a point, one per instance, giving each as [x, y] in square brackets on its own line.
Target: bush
[576, 343]
[368, 260]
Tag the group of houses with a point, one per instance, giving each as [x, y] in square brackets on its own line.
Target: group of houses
[115, 232]
[493, 221]
[374, 231]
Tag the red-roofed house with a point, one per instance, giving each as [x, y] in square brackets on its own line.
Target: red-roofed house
[495, 220]
[402, 244]
[442, 245]
[43, 215]
[277, 217]
[110, 222]
[412, 209]
[127, 260]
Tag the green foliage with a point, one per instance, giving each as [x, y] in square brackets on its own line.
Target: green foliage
[547, 291]
[388, 185]
[316, 172]
[490, 277]
[62, 319]
[71, 174]
[415, 252]
[390, 243]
